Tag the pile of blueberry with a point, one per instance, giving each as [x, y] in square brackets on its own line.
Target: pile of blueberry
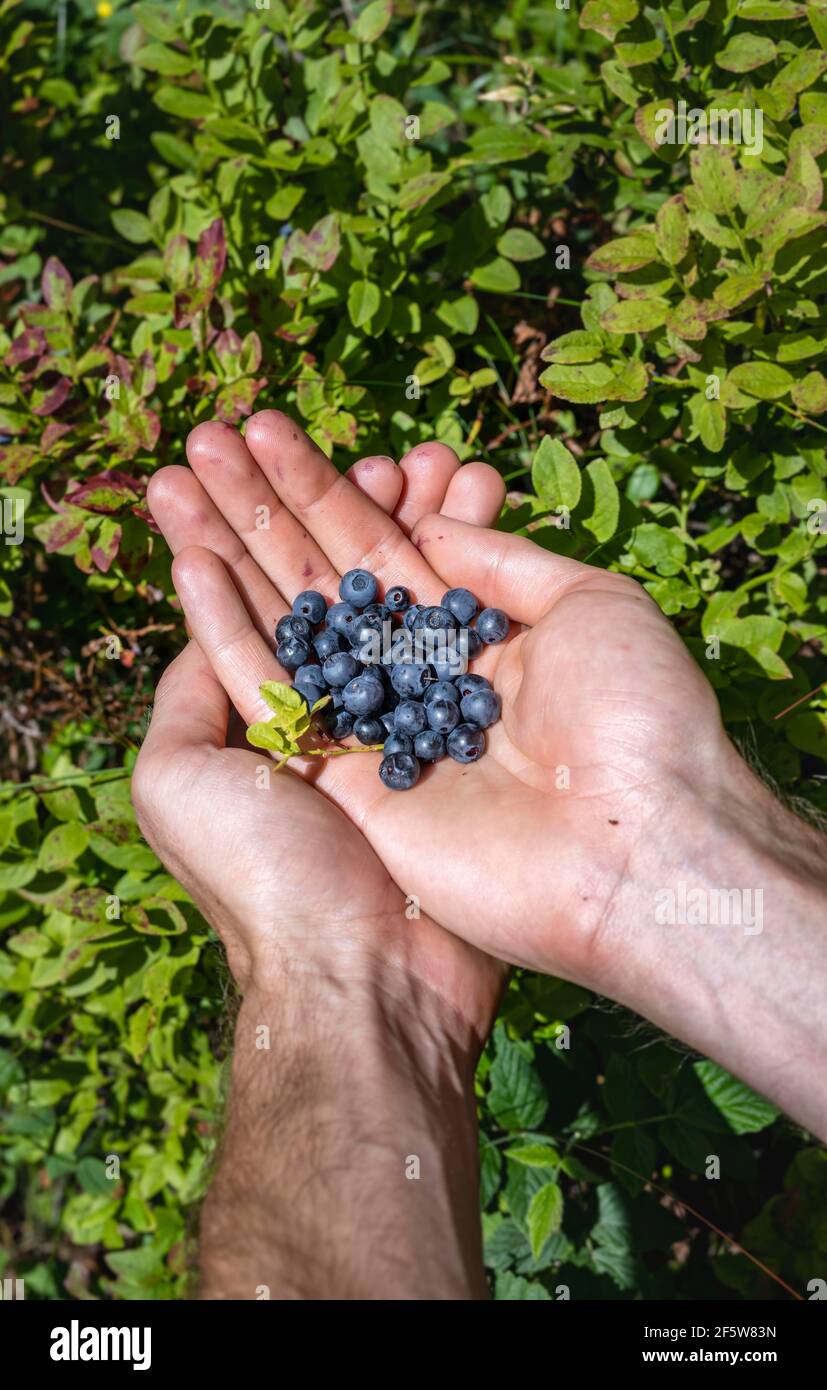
[372, 660]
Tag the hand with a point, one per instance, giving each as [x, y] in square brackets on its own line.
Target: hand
[286, 878]
[597, 695]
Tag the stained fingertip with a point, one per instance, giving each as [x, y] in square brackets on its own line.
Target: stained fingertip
[379, 478]
[206, 440]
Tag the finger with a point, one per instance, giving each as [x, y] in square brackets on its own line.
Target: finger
[379, 479]
[190, 710]
[345, 524]
[188, 516]
[503, 571]
[475, 495]
[427, 470]
[245, 498]
[218, 619]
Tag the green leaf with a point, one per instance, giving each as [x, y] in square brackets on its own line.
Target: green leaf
[714, 176]
[545, 1216]
[373, 21]
[497, 144]
[555, 474]
[132, 226]
[744, 1111]
[745, 52]
[709, 420]
[635, 315]
[520, 245]
[62, 846]
[498, 276]
[535, 1155]
[658, 548]
[625, 253]
[608, 17]
[169, 62]
[585, 385]
[765, 380]
[672, 230]
[604, 517]
[511, 1288]
[462, 315]
[363, 300]
[810, 395]
[180, 101]
[517, 1098]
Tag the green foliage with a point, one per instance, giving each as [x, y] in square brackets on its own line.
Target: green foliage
[396, 228]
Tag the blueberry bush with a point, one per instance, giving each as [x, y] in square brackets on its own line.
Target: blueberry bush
[500, 224]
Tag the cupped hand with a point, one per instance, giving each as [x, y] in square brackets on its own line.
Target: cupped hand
[285, 876]
[607, 721]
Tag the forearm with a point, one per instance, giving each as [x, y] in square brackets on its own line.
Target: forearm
[348, 1166]
[749, 988]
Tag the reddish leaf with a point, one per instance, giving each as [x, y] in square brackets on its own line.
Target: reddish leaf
[60, 530]
[54, 431]
[15, 460]
[228, 351]
[56, 283]
[30, 343]
[237, 400]
[106, 547]
[207, 269]
[145, 376]
[49, 400]
[318, 248]
[107, 492]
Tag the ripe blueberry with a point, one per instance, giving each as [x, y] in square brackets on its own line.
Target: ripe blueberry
[429, 746]
[292, 652]
[340, 668]
[292, 625]
[339, 722]
[465, 684]
[399, 771]
[388, 721]
[481, 707]
[410, 717]
[310, 605]
[310, 674]
[311, 694]
[397, 743]
[369, 730]
[443, 715]
[358, 587]
[411, 615]
[364, 695]
[397, 598]
[342, 617]
[412, 679]
[326, 642]
[441, 690]
[492, 625]
[462, 604]
[466, 744]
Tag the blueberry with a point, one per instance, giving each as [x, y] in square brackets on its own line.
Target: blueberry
[442, 690]
[310, 605]
[370, 654]
[397, 598]
[339, 723]
[412, 679]
[381, 608]
[465, 684]
[388, 720]
[369, 730]
[436, 619]
[326, 642]
[399, 771]
[311, 694]
[366, 626]
[466, 744]
[340, 668]
[364, 695]
[429, 746]
[481, 707]
[358, 587]
[462, 604]
[342, 618]
[473, 643]
[492, 625]
[410, 717]
[443, 715]
[397, 743]
[309, 674]
[292, 653]
[411, 616]
[292, 625]
[451, 668]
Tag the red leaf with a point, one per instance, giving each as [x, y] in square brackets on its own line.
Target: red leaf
[60, 531]
[52, 433]
[106, 492]
[53, 397]
[30, 343]
[56, 283]
[15, 460]
[104, 552]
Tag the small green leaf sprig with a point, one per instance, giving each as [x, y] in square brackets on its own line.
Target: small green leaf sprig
[290, 722]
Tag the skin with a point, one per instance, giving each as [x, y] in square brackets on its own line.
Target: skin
[549, 853]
